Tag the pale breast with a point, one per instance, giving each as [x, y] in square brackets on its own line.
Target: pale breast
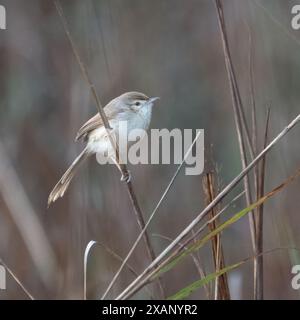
[98, 141]
[140, 119]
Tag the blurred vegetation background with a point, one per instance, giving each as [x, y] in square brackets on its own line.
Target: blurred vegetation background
[166, 48]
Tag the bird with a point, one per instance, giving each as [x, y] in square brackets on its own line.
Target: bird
[133, 107]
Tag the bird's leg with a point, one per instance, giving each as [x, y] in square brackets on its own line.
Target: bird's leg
[126, 176]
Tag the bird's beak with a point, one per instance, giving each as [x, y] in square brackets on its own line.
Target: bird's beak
[152, 100]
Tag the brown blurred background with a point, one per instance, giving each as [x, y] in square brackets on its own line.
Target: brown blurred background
[166, 48]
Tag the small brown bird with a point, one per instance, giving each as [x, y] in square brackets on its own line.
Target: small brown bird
[133, 107]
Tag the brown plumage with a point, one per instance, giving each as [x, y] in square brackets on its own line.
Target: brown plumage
[62, 185]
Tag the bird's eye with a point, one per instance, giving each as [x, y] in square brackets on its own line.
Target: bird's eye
[137, 103]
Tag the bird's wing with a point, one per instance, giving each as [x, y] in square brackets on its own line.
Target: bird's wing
[95, 122]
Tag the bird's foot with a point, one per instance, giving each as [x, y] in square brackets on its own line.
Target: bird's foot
[126, 177]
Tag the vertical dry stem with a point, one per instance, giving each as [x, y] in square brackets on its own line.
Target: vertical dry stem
[222, 289]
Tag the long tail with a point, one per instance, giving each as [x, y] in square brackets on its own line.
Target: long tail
[62, 185]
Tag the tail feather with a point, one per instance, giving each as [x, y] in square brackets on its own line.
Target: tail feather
[63, 184]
